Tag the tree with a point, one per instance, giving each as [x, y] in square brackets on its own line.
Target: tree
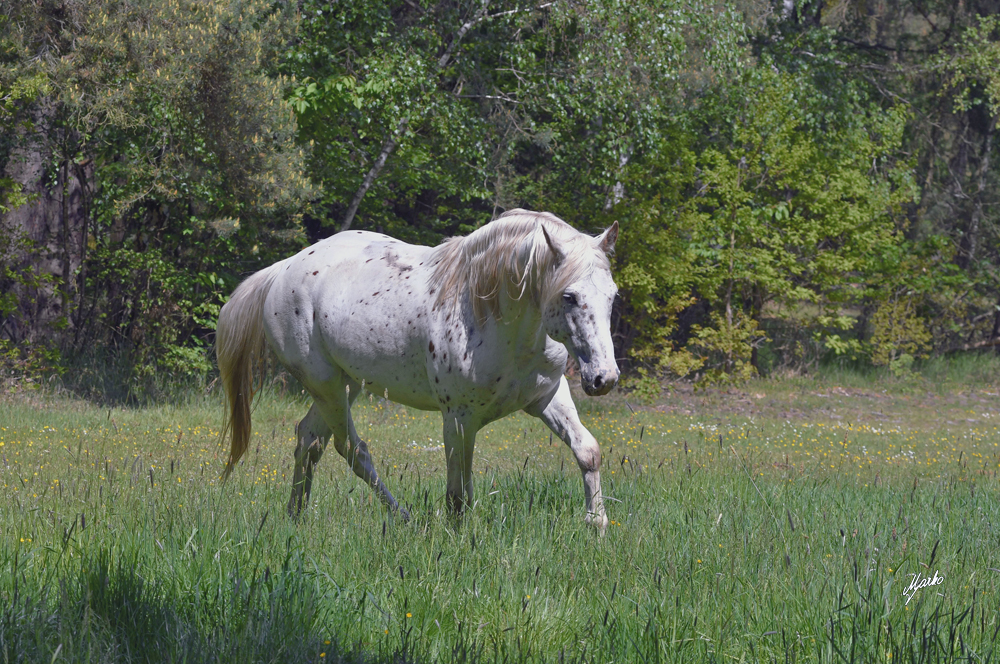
[937, 59]
[390, 97]
[165, 149]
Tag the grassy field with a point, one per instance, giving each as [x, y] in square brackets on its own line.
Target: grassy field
[783, 522]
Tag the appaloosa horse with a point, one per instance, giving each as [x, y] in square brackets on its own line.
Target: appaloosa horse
[477, 327]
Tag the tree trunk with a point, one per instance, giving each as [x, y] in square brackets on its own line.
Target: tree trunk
[52, 221]
[373, 172]
[971, 240]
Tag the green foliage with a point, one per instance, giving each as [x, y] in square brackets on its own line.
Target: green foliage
[177, 105]
[654, 279]
[161, 303]
[899, 335]
[785, 167]
[974, 75]
[603, 110]
[791, 205]
[367, 73]
[729, 343]
[21, 83]
[171, 118]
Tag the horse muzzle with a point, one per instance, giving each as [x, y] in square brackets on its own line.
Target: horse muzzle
[599, 383]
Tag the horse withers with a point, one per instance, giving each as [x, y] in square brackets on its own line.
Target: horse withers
[477, 327]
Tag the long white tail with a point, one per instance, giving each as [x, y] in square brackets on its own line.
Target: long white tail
[240, 347]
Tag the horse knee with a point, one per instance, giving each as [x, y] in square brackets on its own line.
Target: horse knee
[309, 453]
[315, 450]
[588, 454]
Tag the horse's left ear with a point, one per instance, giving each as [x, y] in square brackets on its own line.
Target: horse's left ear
[607, 240]
[556, 249]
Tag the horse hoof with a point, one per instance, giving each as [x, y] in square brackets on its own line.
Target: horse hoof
[598, 521]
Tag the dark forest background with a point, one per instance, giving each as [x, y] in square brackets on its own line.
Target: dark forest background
[797, 182]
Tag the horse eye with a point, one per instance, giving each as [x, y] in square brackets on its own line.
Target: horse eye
[569, 299]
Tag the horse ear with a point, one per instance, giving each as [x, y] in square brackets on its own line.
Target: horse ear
[608, 239]
[556, 249]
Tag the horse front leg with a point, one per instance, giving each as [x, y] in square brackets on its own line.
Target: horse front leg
[459, 441]
[560, 415]
[311, 434]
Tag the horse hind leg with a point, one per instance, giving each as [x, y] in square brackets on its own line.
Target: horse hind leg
[358, 458]
[312, 434]
[334, 402]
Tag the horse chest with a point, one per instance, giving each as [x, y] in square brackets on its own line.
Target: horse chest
[489, 375]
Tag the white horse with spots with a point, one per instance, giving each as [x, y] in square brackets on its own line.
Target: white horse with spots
[477, 328]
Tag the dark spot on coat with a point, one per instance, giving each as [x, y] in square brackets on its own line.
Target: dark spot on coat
[315, 273]
[312, 252]
[430, 346]
[369, 260]
[314, 315]
[436, 379]
[296, 312]
[376, 293]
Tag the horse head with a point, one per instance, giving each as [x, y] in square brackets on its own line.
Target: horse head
[579, 315]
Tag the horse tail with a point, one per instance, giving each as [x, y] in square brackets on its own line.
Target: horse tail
[240, 347]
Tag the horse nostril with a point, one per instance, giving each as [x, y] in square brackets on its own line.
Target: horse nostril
[598, 382]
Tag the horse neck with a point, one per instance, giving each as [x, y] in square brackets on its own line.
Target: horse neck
[522, 320]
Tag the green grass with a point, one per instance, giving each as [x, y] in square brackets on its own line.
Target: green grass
[735, 536]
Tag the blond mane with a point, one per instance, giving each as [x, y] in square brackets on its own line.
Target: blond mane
[509, 258]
